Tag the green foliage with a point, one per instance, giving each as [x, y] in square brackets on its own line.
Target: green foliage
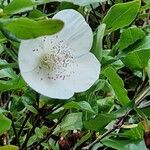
[82, 105]
[18, 6]
[25, 28]
[123, 145]
[72, 121]
[117, 85]
[121, 15]
[9, 147]
[99, 122]
[5, 124]
[128, 37]
[98, 42]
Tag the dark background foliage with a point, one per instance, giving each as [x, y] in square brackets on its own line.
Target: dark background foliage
[113, 113]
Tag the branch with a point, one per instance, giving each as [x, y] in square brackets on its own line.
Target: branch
[16, 139]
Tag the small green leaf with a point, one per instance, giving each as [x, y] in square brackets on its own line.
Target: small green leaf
[82, 140]
[129, 37]
[124, 144]
[3, 110]
[6, 70]
[82, 105]
[144, 44]
[117, 85]
[12, 84]
[137, 59]
[98, 42]
[25, 28]
[18, 6]
[31, 108]
[35, 13]
[106, 103]
[72, 121]
[9, 147]
[121, 15]
[99, 122]
[134, 133]
[5, 124]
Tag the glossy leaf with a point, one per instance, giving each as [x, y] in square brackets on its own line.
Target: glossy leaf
[98, 42]
[99, 122]
[121, 15]
[12, 84]
[128, 37]
[17, 6]
[124, 145]
[117, 85]
[82, 105]
[72, 121]
[25, 28]
[137, 59]
[5, 124]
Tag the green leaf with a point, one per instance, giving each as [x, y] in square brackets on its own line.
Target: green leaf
[18, 6]
[5, 124]
[134, 133]
[82, 140]
[99, 122]
[72, 121]
[35, 13]
[121, 15]
[3, 110]
[40, 132]
[98, 42]
[5, 71]
[25, 28]
[117, 85]
[124, 144]
[106, 103]
[137, 59]
[12, 84]
[31, 108]
[82, 105]
[144, 44]
[128, 37]
[115, 144]
[9, 147]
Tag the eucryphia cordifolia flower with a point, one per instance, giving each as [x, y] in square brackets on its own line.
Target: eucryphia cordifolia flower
[60, 65]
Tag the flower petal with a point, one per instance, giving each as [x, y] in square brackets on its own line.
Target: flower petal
[51, 88]
[29, 53]
[76, 31]
[86, 72]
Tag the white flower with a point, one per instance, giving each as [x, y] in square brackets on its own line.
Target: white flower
[60, 65]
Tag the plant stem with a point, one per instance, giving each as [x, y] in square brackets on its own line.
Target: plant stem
[30, 132]
[23, 124]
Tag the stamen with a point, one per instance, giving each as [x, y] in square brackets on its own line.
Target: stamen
[55, 63]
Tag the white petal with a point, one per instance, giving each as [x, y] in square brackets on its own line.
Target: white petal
[86, 72]
[50, 88]
[29, 53]
[76, 31]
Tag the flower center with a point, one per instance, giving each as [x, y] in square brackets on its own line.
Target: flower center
[46, 61]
